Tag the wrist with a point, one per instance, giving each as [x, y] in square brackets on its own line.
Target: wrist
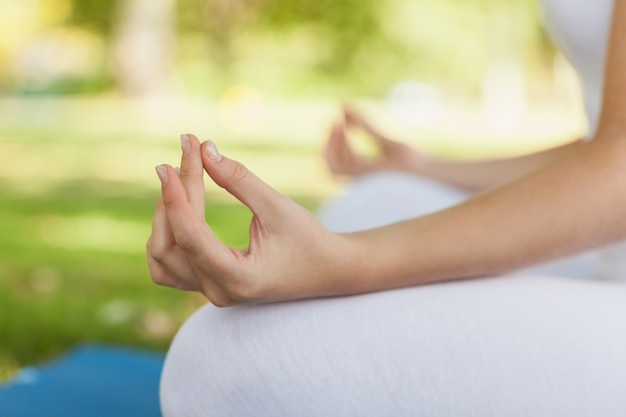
[370, 263]
[343, 266]
[423, 164]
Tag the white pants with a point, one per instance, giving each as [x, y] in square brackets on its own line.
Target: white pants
[518, 345]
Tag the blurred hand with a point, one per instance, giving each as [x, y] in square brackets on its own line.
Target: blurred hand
[343, 160]
[290, 255]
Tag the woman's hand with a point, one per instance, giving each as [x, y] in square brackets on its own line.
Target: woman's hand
[392, 155]
[290, 255]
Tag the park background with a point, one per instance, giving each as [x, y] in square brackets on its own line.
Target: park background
[94, 94]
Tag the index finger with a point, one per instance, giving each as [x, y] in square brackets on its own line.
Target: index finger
[192, 172]
[355, 119]
[192, 234]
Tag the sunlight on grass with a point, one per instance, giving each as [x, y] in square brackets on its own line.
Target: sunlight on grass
[93, 231]
[78, 192]
[121, 142]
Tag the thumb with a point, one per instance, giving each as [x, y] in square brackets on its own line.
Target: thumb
[239, 181]
[355, 119]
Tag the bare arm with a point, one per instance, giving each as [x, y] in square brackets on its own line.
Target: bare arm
[577, 201]
[575, 204]
[394, 155]
[484, 174]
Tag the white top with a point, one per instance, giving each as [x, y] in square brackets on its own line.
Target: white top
[581, 29]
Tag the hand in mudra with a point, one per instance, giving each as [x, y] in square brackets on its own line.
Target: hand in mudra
[342, 159]
[290, 254]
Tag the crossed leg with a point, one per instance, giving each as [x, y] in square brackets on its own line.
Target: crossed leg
[514, 346]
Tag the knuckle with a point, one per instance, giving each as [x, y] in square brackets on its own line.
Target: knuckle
[158, 251]
[221, 301]
[229, 295]
[184, 171]
[185, 241]
[189, 169]
[162, 279]
[240, 292]
[239, 173]
[169, 202]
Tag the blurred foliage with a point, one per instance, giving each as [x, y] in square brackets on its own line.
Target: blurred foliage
[54, 296]
[72, 254]
[94, 14]
[365, 46]
[304, 47]
[61, 283]
[343, 25]
[78, 193]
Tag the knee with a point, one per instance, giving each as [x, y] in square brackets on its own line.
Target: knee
[185, 371]
[225, 362]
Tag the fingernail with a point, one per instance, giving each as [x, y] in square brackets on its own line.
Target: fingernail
[162, 173]
[212, 152]
[185, 144]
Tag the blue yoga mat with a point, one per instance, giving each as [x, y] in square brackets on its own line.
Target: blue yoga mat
[90, 381]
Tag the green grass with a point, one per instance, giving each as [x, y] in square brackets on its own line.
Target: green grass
[65, 279]
[72, 270]
[72, 242]
[77, 193]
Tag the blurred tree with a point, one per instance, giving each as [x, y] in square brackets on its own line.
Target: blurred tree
[139, 36]
[224, 20]
[350, 45]
[345, 25]
[144, 42]
[95, 14]
[364, 44]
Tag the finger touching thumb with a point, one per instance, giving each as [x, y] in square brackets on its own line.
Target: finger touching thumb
[239, 181]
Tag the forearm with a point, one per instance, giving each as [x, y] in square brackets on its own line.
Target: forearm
[573, 204]
[480, 175]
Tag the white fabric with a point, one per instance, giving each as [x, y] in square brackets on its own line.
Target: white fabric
[510, 346]
[581, 28]
[387, 197]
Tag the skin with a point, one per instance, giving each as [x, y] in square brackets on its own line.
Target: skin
[392, 155]
[284, 237]
[562, 203]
